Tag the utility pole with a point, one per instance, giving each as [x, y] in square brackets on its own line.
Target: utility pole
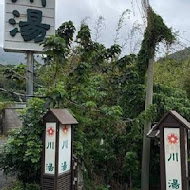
[147, 125]
[29, 74]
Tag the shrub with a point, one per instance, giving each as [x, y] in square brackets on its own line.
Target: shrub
[20, 186]
[22, 152]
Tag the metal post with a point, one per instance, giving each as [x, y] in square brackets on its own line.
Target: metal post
[29, 74]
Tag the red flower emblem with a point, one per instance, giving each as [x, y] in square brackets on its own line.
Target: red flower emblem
[50, 131]
[173, 138]
[65, 129]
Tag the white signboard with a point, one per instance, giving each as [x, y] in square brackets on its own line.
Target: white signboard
[27, 23]
[64, 148]
[50, 143]
[172, 158]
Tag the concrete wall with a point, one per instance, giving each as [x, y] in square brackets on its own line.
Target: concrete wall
[11, 118]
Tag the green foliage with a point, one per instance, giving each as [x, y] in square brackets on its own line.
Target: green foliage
[84, 36]
[55, 46]
[3, 105]
[106, 95]
[23, 148]
[169, 72]
[173, 73]
[11, 85]
[56, 95]
[66, 31]
[131, 166]
[20, 186]
[167, 99]
[16, 73]
[102, 187]
[113, 51]
[156, 32]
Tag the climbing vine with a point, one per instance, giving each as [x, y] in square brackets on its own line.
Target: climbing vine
[156, 32]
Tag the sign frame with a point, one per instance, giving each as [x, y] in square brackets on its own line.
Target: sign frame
[17, 43]
[63, 180]
[174, 120]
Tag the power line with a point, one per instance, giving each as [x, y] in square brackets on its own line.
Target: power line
[184, 38]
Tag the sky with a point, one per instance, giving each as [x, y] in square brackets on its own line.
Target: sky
[175, 13]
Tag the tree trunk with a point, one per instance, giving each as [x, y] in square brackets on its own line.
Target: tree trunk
[147, 127]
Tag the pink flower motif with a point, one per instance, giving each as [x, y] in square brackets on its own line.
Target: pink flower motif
[65, 129]
[50, 131]
[173, 138]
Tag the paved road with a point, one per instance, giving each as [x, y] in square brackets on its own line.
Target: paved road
[3, 181]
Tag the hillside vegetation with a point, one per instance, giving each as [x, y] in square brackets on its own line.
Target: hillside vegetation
[7, 58]
[174, 72]
[180, 55]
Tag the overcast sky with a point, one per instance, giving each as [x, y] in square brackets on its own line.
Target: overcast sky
[176, 14]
